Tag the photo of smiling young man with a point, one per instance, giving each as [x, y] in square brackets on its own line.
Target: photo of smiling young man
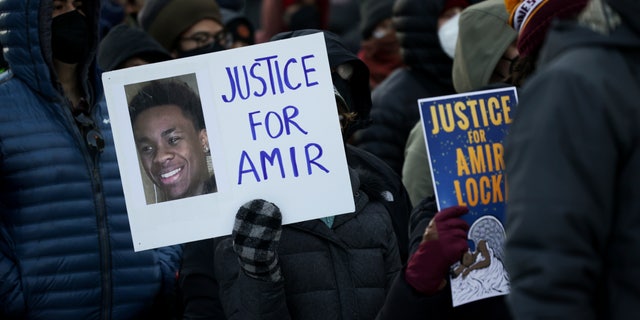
[171, 138]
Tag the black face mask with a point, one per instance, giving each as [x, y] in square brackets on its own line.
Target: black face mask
[70, 37]
[212, 47]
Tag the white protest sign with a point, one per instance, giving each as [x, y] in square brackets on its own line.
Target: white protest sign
[273, 133]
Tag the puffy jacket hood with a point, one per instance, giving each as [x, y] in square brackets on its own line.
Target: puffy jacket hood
[339, 54]
[25, 35]
[483, 37]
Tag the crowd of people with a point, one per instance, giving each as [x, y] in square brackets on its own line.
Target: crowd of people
[571, 154]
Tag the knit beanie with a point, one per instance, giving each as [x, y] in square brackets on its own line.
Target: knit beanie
[532, 19]
[165, 20]
[124, 42]
[373, 12]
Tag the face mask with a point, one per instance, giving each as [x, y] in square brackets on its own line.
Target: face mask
[212, 47]
[70, 37]
[448, 35]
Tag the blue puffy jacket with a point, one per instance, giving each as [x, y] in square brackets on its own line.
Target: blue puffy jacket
[65, 245]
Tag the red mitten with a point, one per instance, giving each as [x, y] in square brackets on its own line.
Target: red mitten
[444, 242]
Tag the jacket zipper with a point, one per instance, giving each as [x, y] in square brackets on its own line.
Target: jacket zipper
[92, 162]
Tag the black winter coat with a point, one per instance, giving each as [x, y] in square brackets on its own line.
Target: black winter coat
[573, 161]
[342, 272]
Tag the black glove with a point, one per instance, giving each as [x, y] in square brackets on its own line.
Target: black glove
[256, 234]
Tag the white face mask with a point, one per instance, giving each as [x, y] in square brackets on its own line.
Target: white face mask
[448, 35]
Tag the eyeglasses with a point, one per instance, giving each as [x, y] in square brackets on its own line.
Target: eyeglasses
[203, 38]
[93, 137]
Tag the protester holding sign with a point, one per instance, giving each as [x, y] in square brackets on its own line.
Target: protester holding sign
[486, 44]
[65, 241]
[337, 267]
[573, 168]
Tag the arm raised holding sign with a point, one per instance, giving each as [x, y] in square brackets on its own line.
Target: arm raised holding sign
[337, 267]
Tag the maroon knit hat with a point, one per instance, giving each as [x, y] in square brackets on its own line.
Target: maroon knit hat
[532, 19]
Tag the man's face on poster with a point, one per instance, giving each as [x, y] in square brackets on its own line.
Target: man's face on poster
[172, 151]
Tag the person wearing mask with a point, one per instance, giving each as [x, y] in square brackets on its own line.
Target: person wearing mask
[379, 49]
[66, 250]
[573, 215]
[171, 139]
[485, 50]
[185, 27]
[427, 73]
[486, 44]
[337, 267]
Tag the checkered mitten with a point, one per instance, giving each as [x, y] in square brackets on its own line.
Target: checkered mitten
[256, 234]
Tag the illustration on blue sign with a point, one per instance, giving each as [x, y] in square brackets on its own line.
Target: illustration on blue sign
[464, 136]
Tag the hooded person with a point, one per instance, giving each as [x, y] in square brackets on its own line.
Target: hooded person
[485, 47]
[328, 268]
[127, 46]
[427, 73]
[572, 162]
[66, 249]
[184, 27]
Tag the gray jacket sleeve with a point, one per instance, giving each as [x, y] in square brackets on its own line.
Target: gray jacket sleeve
[416, 172]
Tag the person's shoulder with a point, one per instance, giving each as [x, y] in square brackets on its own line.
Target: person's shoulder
[393, 81]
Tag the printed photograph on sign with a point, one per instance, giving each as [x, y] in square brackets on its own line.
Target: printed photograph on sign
[171, 138]
[464, 135]
[198, 137]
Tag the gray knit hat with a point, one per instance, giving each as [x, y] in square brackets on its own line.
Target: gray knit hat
[165, 20]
